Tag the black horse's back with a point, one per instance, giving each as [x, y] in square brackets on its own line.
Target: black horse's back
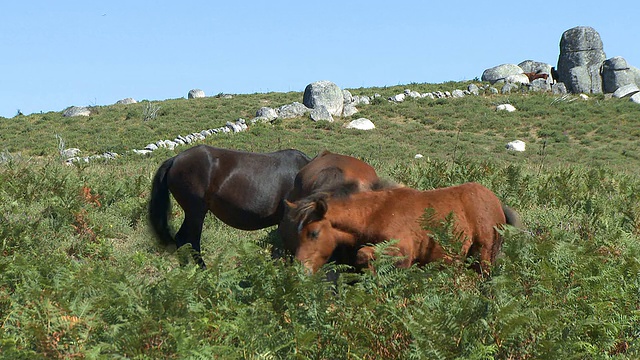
[160, 205]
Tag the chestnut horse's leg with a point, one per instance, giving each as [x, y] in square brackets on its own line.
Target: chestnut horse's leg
[191, 232]
[365, 255]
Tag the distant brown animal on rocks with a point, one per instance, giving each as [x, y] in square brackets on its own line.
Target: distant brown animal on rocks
[536, 75]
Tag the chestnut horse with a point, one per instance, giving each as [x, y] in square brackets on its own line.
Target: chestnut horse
[536, 75]
[327, 173]
[245, 190]
[366, 218]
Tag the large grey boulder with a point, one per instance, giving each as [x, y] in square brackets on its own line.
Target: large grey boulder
[540, 85]
[473, 89]
[195, 93]
[581, 56]
[361, 100]
[292, 110]
[76, 111]
[530, 66]
[626, 90]
[584, 79]
[347, 98]
[320, 113]
[500, 72]
[616, 73]
[558, 89]
[517, 79]
[636, 74]
[509, 87]
[126, 101]
[268, 113]
[349, 110]
[324, 93]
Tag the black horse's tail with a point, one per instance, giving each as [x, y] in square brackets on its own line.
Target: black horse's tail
[512, 216]
[160, 206]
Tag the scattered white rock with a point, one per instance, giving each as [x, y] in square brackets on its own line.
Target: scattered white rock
[584, 97]
[126, 101]
[505, 107]
[238, 126]
[517, 79]
[457, 93]
[418, 156]
[473, 89]
[293, 110]
[76, 111]
[398, 98]
[625, 90]
[412, 94]
[635, 98]
[110, 155]
[142, 152]
[269, 113]
[516, 145]
[71, 152]
[361, 100]
[361, 124]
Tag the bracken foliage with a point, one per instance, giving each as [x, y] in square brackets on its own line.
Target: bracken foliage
[80, 276]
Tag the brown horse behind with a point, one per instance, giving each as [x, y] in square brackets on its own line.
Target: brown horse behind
[326, 173]
[365, 218]
[329, 171]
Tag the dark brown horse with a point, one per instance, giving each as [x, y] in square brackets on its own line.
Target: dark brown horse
[245, 190]
[326, 173]
[371, 217]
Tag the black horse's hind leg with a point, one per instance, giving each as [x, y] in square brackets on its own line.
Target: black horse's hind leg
[191, 232]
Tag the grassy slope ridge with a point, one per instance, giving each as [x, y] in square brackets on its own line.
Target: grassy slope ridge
[81, 277]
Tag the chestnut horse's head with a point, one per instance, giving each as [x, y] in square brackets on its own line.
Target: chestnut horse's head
[327, 173]
[315, 238]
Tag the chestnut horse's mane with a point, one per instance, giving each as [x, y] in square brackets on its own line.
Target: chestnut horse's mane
[305, 206]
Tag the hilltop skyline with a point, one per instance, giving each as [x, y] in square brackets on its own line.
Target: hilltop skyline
[83, 54]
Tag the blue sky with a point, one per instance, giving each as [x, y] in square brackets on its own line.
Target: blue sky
[57, 54]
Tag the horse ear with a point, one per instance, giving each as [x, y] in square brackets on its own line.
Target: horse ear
[289, 204]
[321, 207]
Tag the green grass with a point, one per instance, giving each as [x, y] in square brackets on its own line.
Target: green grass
[80, 275]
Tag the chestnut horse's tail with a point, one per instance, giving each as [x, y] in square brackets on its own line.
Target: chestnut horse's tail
[160, 206]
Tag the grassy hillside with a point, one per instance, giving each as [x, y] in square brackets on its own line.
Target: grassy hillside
[80, 275]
